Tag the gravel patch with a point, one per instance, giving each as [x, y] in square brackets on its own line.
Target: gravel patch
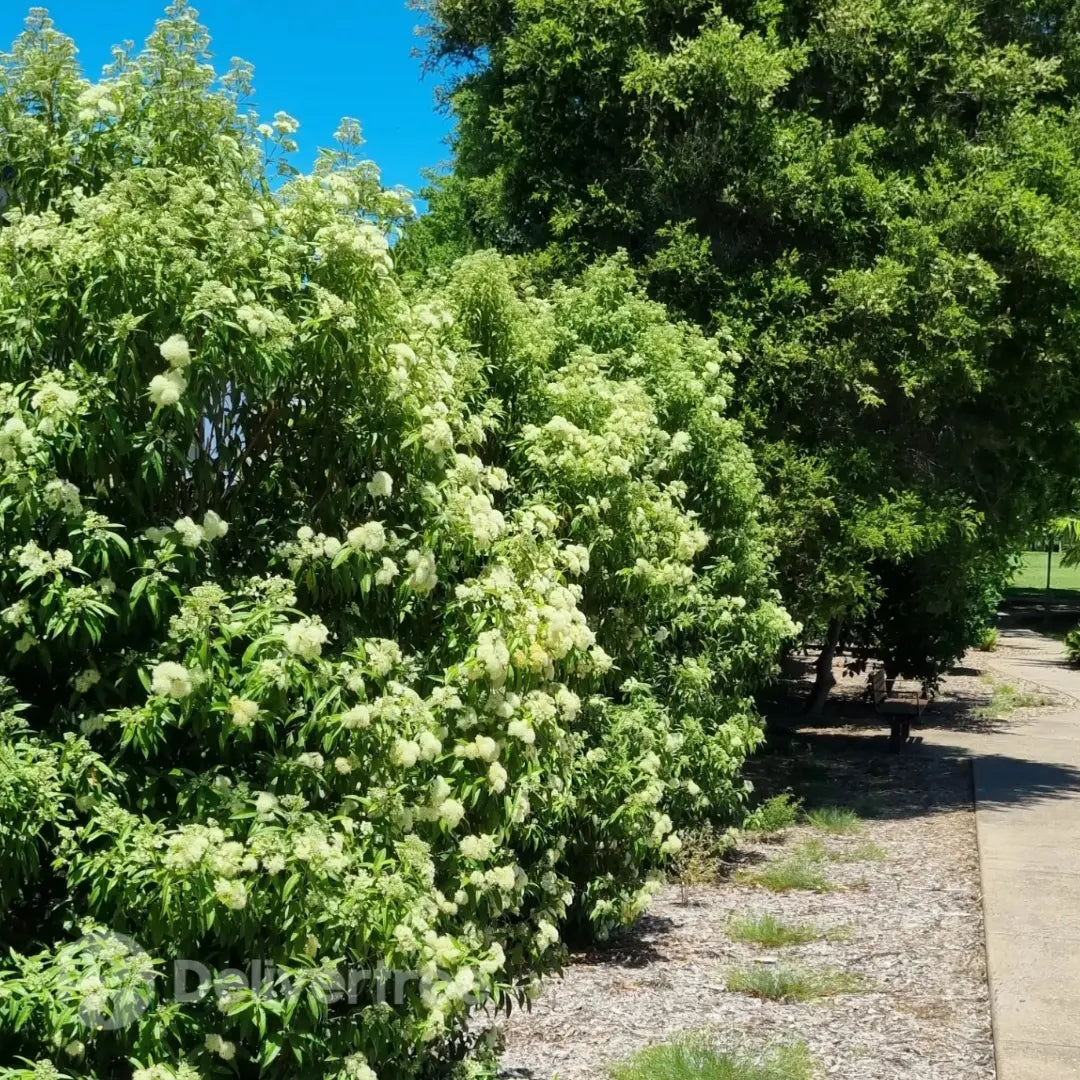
[911, 923]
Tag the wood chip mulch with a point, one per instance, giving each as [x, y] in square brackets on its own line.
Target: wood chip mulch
[911, 921]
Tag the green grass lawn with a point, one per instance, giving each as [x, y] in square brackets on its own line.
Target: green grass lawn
[1031, 574]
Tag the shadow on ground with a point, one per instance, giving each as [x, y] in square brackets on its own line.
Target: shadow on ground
[632, 948]
[1051, 611]
[843, 758]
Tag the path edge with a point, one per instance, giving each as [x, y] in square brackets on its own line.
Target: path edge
[974, 761]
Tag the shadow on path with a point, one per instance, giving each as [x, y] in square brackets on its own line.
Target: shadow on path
[843, 758]
[1052, 611]
[828, 768]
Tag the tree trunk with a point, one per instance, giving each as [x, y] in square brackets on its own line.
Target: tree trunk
[825, 680]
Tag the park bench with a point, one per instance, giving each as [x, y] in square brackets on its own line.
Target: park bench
[896, 704]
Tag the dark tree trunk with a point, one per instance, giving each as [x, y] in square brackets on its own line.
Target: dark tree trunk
[825, 680]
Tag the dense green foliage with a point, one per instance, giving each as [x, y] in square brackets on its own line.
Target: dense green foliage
[875, 202]
[1072, 645]
[346, 627]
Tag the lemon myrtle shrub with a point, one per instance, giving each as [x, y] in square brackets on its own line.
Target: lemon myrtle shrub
[347, 627]
[619, 427]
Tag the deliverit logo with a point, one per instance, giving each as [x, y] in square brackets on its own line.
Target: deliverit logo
[110, 979]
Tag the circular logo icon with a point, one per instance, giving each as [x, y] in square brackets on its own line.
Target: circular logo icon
[113, 979]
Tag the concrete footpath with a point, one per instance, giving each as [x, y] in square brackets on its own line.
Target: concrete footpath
[1027, 805]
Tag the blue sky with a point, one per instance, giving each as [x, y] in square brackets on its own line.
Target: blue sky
[318, 61]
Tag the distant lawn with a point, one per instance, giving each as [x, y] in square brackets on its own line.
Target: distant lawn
[1031, 574]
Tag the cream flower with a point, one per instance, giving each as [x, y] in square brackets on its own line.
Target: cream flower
[53, 398]
[359, 716]
[477, 847]
[231, 893]
[546, 935]
[15, 613]
[175, 351]
[306, 638]
[405, 753]
[213, 527]
[492, 652]
[166, 390]
[424, 577]
[368, 537]
[502, 877]
[520, 729]
[438, 436]
[86, 679]
[171, 680]
[451, 812]
[191, 535]
[672, 845]
[487, 749]
[381, 485]
[243, 711]
[497, 778]
[430, 746]
[387, 572]
[222, 1047]
[357, 1068]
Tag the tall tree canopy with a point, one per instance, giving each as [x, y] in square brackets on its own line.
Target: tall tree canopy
[875, 204]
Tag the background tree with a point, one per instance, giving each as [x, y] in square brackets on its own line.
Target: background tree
[873, 203]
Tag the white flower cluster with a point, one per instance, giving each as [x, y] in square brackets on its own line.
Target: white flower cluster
[382, 654]
[38, 563]
[493, 653]
[265, 324]
[171, 680]
[63, 496]
[191, 535]
[86, 679]
[342, 238]
[368, 537]
[381, 485]
[470, 471]
[167, 388]
[52, 399]
[222, 1047]
[175, 351]
[423, 576]
[16, 439]
[98, 102]
[243, 711]
[472, 514]
[161, 1071]
[305, 638]
[356, 1067]
[15, 613]
[311, 548]
[437, 435]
